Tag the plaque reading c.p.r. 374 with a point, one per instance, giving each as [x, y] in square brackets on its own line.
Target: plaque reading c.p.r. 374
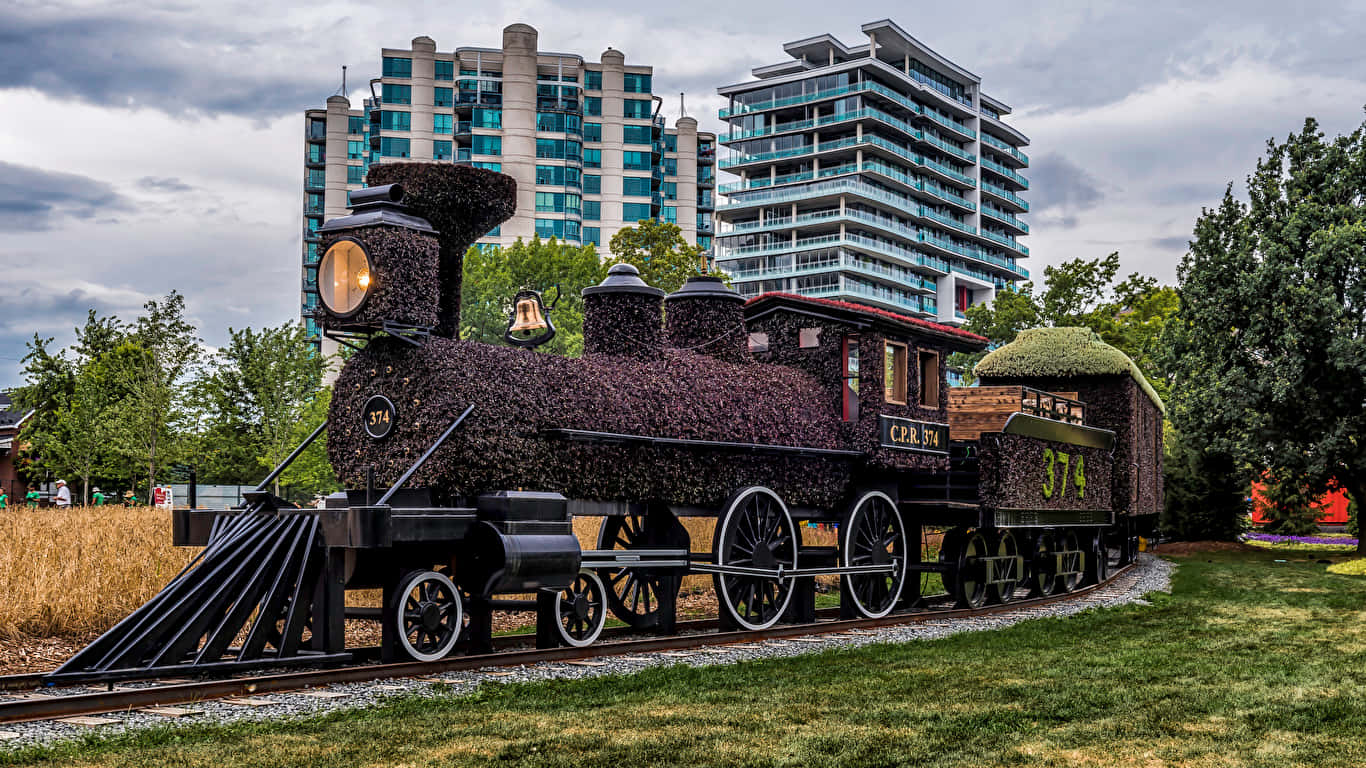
[911, 435]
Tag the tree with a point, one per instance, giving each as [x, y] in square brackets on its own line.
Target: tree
[494, 276]
[1080, 292]
[151, 367]
[658, 250]
[1270, 345]
[311, 473]
[261, 385]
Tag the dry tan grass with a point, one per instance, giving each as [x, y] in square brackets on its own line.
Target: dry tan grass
[73, 572]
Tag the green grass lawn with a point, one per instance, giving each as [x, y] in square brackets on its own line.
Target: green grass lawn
[1249, 662]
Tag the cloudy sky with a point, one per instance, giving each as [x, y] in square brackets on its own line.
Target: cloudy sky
[154, 146]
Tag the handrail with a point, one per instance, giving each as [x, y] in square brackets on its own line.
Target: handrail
[423, 458]
[274, 473]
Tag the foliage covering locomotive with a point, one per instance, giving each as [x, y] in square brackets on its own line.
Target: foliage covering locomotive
[467, 463]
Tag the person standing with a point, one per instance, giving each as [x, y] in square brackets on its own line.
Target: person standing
[97, 498]
[63, 498]
[31, 498]
[4, 498]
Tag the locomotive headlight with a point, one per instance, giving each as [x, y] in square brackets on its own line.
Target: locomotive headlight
[344, 278]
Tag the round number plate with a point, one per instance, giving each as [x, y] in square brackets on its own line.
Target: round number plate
[379, 416]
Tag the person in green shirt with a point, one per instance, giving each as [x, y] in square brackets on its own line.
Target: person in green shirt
[130, 499]
[4, 499]
[31, 498]
[97, 498]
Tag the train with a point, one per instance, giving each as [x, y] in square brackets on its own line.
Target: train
[466, 464]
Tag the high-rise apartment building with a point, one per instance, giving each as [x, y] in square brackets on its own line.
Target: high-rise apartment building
[586, 142]
[878, 174]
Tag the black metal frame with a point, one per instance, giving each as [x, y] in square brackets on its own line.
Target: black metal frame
[347, 334]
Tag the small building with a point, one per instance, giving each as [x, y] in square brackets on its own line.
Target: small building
[11, 419]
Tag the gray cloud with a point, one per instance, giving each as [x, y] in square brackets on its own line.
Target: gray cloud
[33, 199]
[1062, 187]
[1173, 243]
[176, 59]
[168, 184]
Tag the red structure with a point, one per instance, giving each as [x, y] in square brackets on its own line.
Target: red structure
[10, 421]
[1333, 506]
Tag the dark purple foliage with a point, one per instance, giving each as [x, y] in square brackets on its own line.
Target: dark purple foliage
[1272, 538]
[708, 325]
[404, 273]
[518, 394]
[462, 204]
[623, 324]
[1014, 471]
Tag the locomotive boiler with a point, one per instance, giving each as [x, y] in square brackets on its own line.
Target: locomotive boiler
[466, 464]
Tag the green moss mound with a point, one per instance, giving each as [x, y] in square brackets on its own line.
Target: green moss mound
[1062, 352]
[1349, 568]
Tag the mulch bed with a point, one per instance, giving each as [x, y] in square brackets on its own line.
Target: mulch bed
[1179, 548]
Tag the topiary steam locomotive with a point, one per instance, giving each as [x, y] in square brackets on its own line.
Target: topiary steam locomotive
[466, 463]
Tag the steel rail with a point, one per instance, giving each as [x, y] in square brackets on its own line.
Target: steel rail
[120, 700]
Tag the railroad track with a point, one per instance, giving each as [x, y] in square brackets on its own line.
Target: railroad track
[36, 705]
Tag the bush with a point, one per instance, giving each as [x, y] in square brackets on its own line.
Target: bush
[1206, 494]
[1349, 568]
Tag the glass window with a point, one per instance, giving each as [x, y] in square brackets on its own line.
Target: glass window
[396, 94]
[390, 146]
[310, 253]
[441, 123]
[443, 97]
[670, 142]
[355, 124]
[636, 83]
[670, 166]
[669, 214]
[316, 153]
[550, 174]
[441, 150]
[317, 129]
[704, 241]
[315, 202]
[487, 118]
[592, 210]
[592, 235]
[486, 145]
[495, 232]
[670, 190]
[758, 342]
[592, 183]
[488, 166]
[317, 177]
[635, 161]
[445, 70]
[850, 344]
[548, 228]
[894, 373]
[394, 121]
[635, 186]
[808, 338]
[355, 174]
[355, 150]
[704, 221]
[550, 148]
[550, 202]
[635, 211]
[592, 79]
[592, 158]
[592, 131]
[636, 134]
[592, 105]
[636, 108]
[397, 67]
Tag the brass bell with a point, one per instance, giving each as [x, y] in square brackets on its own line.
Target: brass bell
[529, 318]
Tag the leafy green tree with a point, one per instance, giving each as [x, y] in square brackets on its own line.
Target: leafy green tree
[658, 250]
[151, 368]
[260, 386]
[493, 277]
[1206, 492]
[311, 473]
[1080, 292]
[1269, 351]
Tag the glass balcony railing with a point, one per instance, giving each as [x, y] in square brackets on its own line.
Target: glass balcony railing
[842, 260]
[858, 114]
[1005, 194]
[1006, 172]
[1004, 217]
[1008, 242]
[992, 141]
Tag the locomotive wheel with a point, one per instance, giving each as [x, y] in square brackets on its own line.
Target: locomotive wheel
[970, 586]
[633, 593]
[1098, 560]
[1009, 571]
[873, 535]
[581, 610]
[428, 615]
[1043, 571]
[755, 531]
[1069, 582]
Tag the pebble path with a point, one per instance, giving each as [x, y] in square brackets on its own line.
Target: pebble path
[1151, 574]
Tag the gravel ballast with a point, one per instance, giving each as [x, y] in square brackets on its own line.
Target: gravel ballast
[1150, 575]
